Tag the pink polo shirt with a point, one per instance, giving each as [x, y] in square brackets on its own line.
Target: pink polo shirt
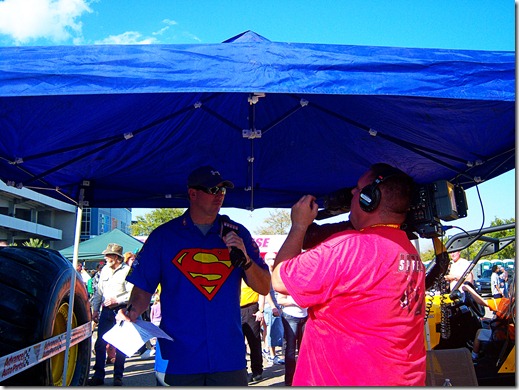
[365, 297]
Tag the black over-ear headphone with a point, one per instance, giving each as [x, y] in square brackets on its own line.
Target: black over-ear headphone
[370, 195]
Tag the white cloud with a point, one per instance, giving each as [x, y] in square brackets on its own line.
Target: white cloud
[191, 36]
[161, 31]
[127, 38]
[169, 22]
[55, 20]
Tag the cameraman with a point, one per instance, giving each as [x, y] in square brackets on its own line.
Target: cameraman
[369, 322]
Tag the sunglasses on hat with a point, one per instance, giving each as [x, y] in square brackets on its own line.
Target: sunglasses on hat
[212, 191]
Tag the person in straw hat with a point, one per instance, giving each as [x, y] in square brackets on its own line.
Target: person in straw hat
[113, 293]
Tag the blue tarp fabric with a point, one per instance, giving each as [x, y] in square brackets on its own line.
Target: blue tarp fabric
[124, 125]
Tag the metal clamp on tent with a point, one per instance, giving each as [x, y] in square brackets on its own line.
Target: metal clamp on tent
[17, 161]
[471, 164]
[84, 194]
[254, 97]
[251, 134]
[12, 183]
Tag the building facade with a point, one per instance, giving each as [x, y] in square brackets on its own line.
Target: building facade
[26, 214]
[96, 221]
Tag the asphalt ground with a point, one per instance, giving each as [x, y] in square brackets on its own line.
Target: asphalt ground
[139, 372]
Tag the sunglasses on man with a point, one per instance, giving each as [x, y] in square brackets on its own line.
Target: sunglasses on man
[212, 190]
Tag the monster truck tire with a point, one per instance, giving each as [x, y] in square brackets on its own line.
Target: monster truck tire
[34, 302]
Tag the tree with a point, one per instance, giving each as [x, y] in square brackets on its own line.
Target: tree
[278, 222]
[148, 222]
[35, 243]
[430, 254]
[509, 251]
[427, 255]
[506, 253]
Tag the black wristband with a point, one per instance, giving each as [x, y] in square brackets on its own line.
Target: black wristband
[248, 265]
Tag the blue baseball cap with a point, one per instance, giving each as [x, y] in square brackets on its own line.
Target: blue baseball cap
[207, 176]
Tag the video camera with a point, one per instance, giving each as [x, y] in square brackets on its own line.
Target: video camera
[431, 203]
[336, 203]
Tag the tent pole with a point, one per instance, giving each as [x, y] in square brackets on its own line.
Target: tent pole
[72, 290]
[252, 131]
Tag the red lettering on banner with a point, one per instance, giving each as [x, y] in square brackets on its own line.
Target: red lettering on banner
[15, 358]
[15, 363]
[263, 241]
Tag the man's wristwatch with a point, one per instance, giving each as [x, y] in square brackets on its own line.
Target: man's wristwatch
[247, 265]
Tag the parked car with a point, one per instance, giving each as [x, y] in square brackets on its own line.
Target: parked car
[483, 283]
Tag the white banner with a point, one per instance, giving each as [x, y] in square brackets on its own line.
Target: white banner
[269, 243]
[23, 359]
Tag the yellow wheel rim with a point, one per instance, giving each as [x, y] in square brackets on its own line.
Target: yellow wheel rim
[57, 362]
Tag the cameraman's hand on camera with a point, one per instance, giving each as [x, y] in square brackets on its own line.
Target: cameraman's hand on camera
[304, 212]
[302, 215]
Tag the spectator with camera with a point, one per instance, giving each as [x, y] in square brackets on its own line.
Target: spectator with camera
[369, 322]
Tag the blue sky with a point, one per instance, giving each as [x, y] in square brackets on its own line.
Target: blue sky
[459, 24]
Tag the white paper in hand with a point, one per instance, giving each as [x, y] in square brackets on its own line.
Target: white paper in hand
[128, 337]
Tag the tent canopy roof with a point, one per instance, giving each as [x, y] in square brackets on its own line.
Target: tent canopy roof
[122, 126]
[92, 249]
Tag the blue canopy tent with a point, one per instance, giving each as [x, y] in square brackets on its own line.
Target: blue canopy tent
[122, 126]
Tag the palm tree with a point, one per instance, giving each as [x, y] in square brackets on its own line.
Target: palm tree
[35, 243]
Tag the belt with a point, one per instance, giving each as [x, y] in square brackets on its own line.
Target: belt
[118, 307]
[249, 304]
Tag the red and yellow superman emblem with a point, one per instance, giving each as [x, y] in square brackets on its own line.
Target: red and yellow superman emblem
[207, 269]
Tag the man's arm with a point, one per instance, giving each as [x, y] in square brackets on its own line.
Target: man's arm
[477, 298]
[273, 305]
[302, 215]
[96, 301]
[138, 304]
[261, 308]
[285, 301]
[258, 278]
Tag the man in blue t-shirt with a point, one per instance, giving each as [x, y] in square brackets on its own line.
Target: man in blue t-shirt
[199, 259]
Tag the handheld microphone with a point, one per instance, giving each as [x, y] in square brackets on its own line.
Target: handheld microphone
[238, 258]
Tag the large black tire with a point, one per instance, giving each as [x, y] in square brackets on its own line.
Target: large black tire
[34, 302]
